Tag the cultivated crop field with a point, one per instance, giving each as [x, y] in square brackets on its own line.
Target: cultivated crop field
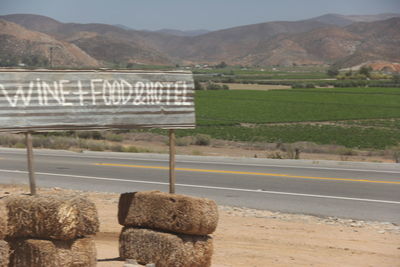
[353, 117]
[297, 105]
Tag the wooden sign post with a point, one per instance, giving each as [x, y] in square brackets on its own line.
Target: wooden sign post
[51, 100]
[31, 168]
[172, 177]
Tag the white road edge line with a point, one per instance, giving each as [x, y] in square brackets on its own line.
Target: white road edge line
[209, 162]
[208, 187]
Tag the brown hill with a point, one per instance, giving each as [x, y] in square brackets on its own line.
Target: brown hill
[225, 45]
[313, 41]
[20, 45]
[352, 45]
[288, 43]
[104, 42]
[380, 40]
[346, 20]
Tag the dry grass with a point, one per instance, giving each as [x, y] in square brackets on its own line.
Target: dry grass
[168, 212]
[3, 220]
[4, 253]
[38, 253]
[165, 249]
[56, 216]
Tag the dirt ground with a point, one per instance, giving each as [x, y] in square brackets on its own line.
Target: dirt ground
[235, 149]
[262, 87]
[247, 237]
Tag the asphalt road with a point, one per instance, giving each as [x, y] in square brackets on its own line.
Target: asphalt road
[366, 191]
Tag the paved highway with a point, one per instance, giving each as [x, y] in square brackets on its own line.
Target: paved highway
[366, 191]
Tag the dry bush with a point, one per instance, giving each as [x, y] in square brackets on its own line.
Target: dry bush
[61, 216]
[10, 140]
[80, 252]
[117, 148]
[396, 156]
[202, 140]
[168, 212]
[184, 141]
[113, 137]
[165, 249]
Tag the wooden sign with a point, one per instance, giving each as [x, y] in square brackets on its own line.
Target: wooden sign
[73, 100]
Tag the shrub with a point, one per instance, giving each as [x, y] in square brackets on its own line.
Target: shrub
[114, 137]
[90, 135]
[41, 141]
[184, 141]
[198, 85]
[10, 140]
[214, 86]
[19, 145]
[130, 149]
[396, 156]
[117, 148]
[202, 139]
[96, 146]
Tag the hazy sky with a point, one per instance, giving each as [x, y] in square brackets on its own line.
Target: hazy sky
[192, 14]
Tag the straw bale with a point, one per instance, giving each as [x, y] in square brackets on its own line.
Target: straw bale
[4, 253]
[38, 253]
[58, 216]
[3, 219]
[168, 212]
[165, 249]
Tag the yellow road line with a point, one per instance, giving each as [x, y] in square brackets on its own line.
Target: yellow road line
[248, 173]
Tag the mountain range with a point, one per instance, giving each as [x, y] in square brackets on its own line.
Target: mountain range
[328, 39]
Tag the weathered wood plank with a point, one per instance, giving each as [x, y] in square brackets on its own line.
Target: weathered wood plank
[61, 100]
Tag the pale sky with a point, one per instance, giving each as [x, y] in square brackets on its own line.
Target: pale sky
[192, 14]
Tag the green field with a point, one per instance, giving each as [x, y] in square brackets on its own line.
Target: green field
[297, 105]
[316, 115]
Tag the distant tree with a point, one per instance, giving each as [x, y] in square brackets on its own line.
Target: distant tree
[198, 86]
[396, 78]
[8, 61]
[365, 70]
[332, 72]
[214, 86]
[221, 65]
[225, 87]
[35, 61]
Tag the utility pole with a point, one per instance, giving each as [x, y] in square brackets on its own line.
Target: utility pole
[51, 56]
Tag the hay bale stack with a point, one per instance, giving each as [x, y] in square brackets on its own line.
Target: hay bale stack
[168, 212]
[165, 249]
[4, 253]
[61, 217]
[80, 252]
[3, 220]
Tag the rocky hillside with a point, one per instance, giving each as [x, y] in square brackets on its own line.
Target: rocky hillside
[21, 46]
[329, 39]
[106, 43]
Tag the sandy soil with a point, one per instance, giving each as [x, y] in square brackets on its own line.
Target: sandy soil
[235, 149]
[246, 237]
